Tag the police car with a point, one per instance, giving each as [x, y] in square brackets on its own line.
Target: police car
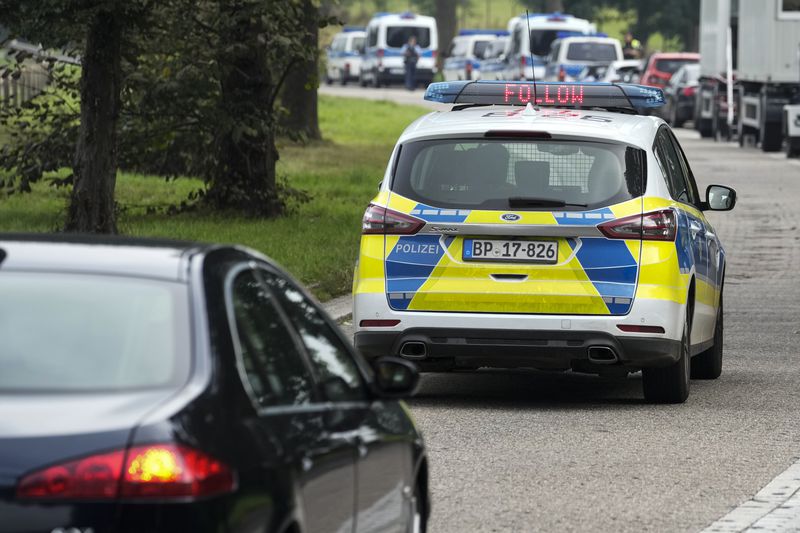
[546, 226]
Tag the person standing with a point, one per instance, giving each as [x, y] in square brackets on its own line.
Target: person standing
[631, 48]
[411, 54]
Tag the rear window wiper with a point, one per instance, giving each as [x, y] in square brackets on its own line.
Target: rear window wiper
[518, 201]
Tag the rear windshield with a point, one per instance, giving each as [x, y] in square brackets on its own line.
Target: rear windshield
[82, 333]
[592, 52]
[671, 66]
[357, 43]
[397, 36]
[484, 174]
[479, 48]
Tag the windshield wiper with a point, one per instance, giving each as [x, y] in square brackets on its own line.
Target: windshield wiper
[518, 201]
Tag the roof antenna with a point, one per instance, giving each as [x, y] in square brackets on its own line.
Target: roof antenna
[530, 51]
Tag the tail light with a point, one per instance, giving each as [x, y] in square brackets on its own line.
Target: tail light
[522, 63]
[655, 226]
[688, 91]
[562, 75]
[380, 54]
[434, 53]
[468, 69]
[382, 221]
[158, 471]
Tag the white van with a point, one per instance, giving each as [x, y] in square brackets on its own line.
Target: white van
[468, 48]
[527, 51]
[570, 56]
[383, 59]
[344, 55]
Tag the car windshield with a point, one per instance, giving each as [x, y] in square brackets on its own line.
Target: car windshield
[357, 43]
[397, 36]
[671, 66]
[541, 41]
[592, 52]
[484, 174]
[479, 48]
[84, 333]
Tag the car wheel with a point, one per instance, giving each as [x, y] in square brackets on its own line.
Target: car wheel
[376, 82]
[417, 514]
[708, 364]
[670, 384]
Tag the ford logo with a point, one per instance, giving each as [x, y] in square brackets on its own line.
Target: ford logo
[510, 217]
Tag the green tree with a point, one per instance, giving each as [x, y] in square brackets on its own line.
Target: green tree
[98, 29]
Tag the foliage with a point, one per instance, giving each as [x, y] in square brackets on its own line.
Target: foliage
[317, 241]
[199, 94]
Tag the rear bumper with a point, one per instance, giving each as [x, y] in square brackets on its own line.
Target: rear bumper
[452, 348]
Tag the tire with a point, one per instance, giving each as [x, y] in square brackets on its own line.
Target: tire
[674, 121]
[418, 523]
[708, 364]
[376, 82]
[771, 137]
[669, 384]
[705, 128]
[361, 80]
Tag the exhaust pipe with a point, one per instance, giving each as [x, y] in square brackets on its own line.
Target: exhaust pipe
[414, 350]
[602, 355]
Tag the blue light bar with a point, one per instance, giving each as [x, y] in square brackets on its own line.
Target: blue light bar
[348, 29]
[618, 96]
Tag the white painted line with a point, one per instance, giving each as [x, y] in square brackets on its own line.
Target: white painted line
[776, 508]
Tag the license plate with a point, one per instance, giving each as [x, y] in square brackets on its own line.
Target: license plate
[517, 251]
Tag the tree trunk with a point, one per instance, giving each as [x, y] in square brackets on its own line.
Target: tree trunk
[299, 94]
[244, 179]
[446, 21]
[92, 206]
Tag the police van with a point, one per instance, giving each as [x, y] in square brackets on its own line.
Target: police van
[344, 55]
[573, 56]
[466, 52]
[549, 226]
[383, 57]
[527, 50]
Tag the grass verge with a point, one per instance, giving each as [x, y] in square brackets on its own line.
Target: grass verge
[318, 242]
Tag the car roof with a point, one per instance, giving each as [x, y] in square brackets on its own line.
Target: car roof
[588, 39]
[127, 256]
[635, 130]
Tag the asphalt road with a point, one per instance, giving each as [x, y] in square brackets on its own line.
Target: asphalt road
[532, 451]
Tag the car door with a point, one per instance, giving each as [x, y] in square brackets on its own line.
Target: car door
[693, 229]
[381, 430]
[292, 413]
[712, 247]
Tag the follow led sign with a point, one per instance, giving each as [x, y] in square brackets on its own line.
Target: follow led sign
[571, 95]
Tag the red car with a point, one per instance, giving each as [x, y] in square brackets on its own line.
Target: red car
[662, 65]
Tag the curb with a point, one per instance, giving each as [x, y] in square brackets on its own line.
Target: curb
[339, 308]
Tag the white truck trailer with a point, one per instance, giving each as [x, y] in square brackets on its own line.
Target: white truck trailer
[765, 38]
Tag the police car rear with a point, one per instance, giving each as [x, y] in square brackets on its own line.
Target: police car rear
[526, 236]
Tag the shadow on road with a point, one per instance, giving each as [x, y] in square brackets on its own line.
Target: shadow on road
[523, 388]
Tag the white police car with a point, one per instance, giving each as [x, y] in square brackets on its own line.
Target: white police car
[344, 55]
[548, 227]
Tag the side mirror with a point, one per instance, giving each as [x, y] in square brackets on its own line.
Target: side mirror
[395, 377]
[720, 198]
